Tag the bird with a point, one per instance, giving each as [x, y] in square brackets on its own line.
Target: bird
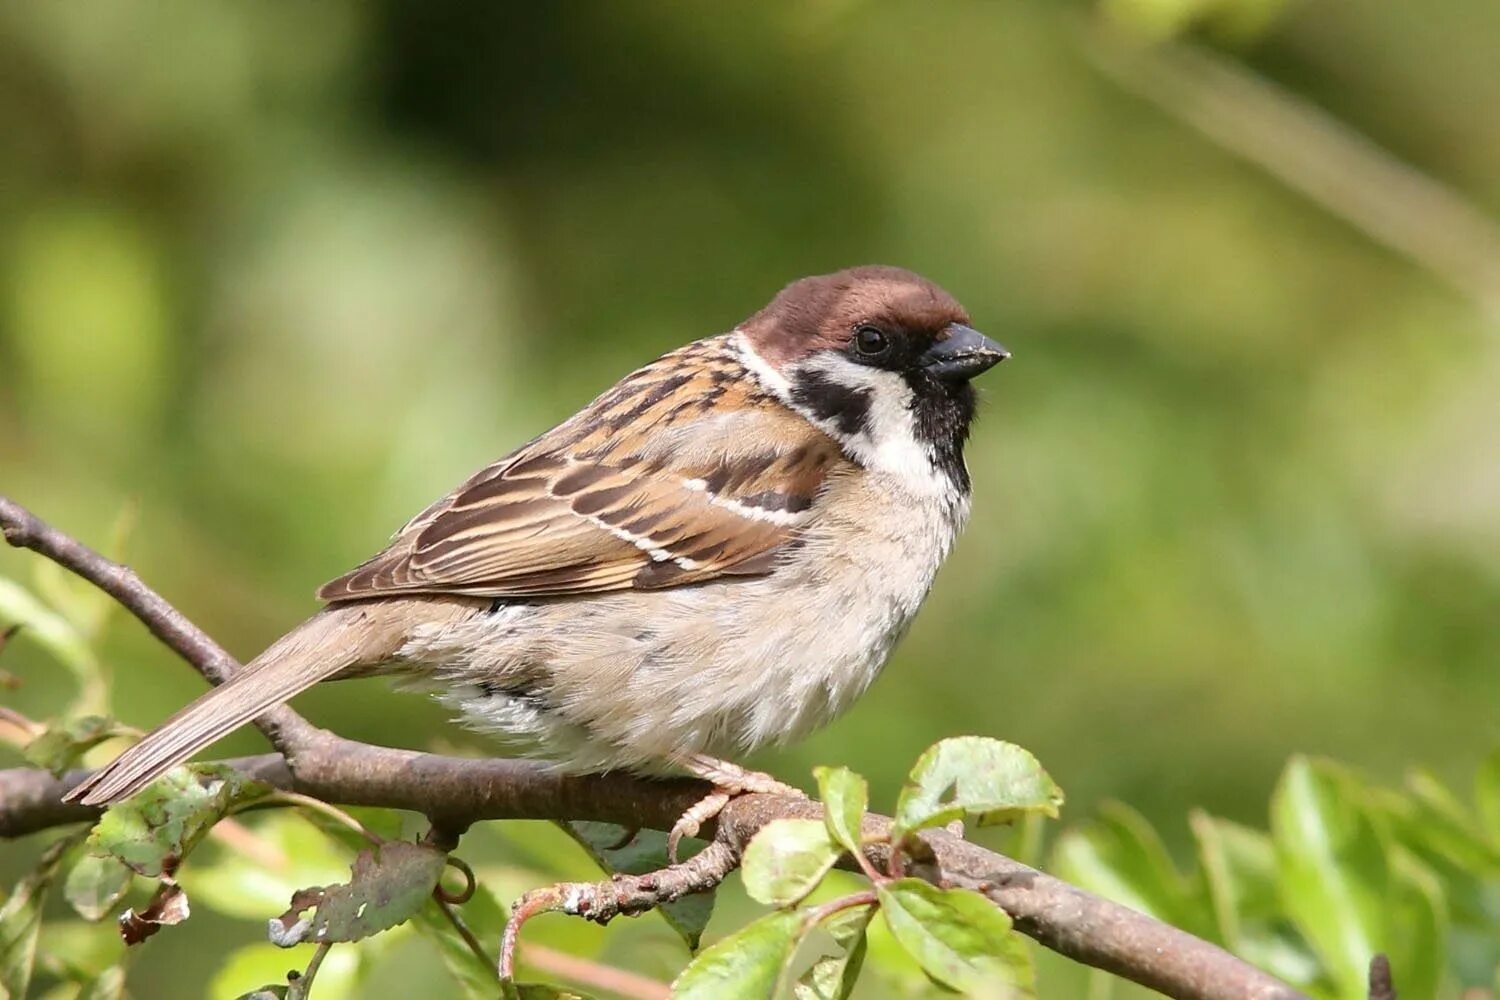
[715, 555]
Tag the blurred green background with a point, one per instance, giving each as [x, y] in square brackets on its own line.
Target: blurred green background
[275, 275]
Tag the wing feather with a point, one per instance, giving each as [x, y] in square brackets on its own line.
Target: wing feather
[683, 472]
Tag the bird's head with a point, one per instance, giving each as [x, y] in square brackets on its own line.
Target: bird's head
[879, 358]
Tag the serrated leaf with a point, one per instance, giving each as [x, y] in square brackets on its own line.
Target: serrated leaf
[960, 938]
[1333, 875]
[646, 852]
[845, 797]
[62, 745]
[96, 884]
[746, 965]
[485, 917]
[153, 830]
[832, 977]
[389, 884]
[786, 860]
[988, 780]
[21, 919]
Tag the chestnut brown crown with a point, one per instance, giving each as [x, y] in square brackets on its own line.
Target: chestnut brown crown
[822, 312]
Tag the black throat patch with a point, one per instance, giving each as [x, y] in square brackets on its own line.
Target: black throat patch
[942, 413]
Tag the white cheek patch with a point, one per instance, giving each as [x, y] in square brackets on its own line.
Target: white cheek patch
[887, 440]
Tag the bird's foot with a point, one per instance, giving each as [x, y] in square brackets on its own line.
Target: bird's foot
[729, 780]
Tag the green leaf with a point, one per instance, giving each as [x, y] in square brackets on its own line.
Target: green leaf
[153, 830]
[21, 919]
[1239, 871]
[390, 883]
[1446, 827]
[62, 744]
[1487, 795]
[990, 780]
[96, 884]
[845, 797]
[1333, 875]
[960, 938]
[786, 860]
[1419, 941]
[60, 638]
[1120, 856]
[485, 917]
[832, 977]
[646, 852]
[746, 965]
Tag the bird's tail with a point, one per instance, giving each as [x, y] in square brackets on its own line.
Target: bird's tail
[334, 640]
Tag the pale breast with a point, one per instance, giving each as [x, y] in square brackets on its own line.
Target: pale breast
[635, 679]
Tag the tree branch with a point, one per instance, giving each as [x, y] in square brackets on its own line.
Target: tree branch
[24, 530]
[455, 792]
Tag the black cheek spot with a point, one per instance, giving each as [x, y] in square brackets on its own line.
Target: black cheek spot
[847, 407]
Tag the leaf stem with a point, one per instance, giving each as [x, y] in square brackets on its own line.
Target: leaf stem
[297, 799]
[301, 988]
[818, 914]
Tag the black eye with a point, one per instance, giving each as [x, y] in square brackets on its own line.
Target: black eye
[870, 341]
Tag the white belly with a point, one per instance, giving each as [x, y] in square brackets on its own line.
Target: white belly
[635, 679]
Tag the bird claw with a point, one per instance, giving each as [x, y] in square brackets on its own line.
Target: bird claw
[729, 780]
[700, 812]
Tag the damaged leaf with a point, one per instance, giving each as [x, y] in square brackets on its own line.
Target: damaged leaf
[990, 780]
[153, 830]
[389, 884]
[169, 906]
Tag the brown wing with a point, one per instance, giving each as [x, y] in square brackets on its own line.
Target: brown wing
[683, 472]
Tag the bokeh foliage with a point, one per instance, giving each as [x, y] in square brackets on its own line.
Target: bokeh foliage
[277, 274]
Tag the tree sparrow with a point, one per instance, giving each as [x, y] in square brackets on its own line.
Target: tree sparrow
[716, 554]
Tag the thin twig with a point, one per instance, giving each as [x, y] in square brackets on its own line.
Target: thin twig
[818, 914]
[301, 986]
[283, 727]
[629, 895]
[299, 801]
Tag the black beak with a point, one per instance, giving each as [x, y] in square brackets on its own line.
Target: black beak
[961, 354]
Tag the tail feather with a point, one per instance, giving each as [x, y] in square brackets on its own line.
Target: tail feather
[329, 642]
